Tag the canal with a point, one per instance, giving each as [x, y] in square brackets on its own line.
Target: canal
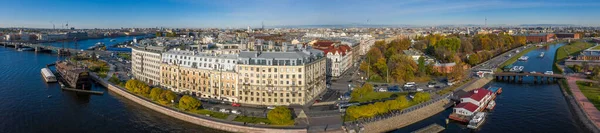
[523, 107]
[27, 107]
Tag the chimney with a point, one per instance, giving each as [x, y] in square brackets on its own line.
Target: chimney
[475, 91]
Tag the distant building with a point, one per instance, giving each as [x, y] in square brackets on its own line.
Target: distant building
[591, 56]
[567, 35]
[145, 64]
[339, 57]
[537, 38]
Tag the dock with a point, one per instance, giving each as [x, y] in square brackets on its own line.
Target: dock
[433, 128]
[63, 87]
[84, 91]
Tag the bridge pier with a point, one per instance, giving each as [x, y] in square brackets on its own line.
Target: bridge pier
[520, 79]
[548, 79]
[535, 79]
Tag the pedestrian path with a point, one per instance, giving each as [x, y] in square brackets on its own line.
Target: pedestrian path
[585, 104]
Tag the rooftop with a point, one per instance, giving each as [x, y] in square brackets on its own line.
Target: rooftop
[468, 106]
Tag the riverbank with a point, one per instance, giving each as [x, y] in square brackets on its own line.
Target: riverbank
[587, 115]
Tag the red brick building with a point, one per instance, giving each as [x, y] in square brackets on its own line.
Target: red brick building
[567, 35]
[536, 38]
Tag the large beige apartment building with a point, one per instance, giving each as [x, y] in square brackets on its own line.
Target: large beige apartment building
[281, 78]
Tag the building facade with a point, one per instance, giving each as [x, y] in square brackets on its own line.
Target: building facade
[281, 78]
[206, 75]
[145, 64]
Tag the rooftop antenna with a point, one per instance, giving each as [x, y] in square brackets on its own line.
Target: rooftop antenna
[53, 26]
[262, 25]
[485, 22]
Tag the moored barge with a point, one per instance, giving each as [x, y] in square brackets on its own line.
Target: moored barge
[73, 76]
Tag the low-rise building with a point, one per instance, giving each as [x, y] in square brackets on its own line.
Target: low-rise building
[567, 35]
[537, 38]
[339, 57]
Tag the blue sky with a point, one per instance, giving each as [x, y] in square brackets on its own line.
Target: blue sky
[242, 13]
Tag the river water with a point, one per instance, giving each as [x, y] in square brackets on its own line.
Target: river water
[26, 107]
[527, 107]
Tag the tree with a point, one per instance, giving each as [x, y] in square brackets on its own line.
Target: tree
[381, 107]
[155, 93]
[402, 102]
[520, 40]
[421, 67]
[166, 97]
[188, 103]
[421, 97]
[113, 79]
[281, 115]
[467, 45]
[361, 91]
[474, 59]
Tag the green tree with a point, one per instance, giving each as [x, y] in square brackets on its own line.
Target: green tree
[281, 115]
[421, 97]
[155, 93]
[421, 65]
[361, 91]
[188, 103]
[474, 59]
[113, 79]
[402, 102]
[381, 107]
[167, 97]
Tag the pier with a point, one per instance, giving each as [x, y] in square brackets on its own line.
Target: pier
[518, 77]
[433, 128]
[83, 91]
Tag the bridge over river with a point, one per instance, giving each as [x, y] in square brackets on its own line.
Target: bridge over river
[48, 48]
[513, 76]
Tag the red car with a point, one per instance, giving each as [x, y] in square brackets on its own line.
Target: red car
[236, 104]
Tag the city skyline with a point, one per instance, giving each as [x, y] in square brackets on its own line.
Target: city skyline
[240, 14]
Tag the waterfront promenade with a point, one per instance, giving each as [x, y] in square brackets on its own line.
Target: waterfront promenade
[588, 107]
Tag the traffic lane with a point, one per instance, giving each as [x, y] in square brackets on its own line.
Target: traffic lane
[248, 111]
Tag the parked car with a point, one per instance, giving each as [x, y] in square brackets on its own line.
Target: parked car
[409, 84]
[236, 104]
[419, 89]
[533, 72]
[224, 110]
[237, 112]
[549, 73]
[382, 90]
[270, 107]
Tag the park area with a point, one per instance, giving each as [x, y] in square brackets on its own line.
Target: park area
[571, 49]
[591, 92]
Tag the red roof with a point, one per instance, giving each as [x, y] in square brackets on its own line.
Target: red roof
[341, 49]
[481, 92]
[468, 106]
[323, 43]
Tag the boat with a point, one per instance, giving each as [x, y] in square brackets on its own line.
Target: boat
[495, 90]
[25, 49]
[73, 76]
[477, 120]
[48, 75]
[542, 54]
[491, 105]
[523, 58]
[98, 45]
[112, 40]
[521, 68]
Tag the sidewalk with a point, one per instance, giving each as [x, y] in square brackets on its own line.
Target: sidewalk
[591, 111]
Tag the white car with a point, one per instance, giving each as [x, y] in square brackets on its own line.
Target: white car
[533, 72]
[419, 89]
[549, 73]
[236, 112]
[224, 110]
[409, 84]
[270, 107]
[382, 90]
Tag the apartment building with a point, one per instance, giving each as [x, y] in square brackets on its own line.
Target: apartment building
[206, 75]
[145, 64]
[281, 78]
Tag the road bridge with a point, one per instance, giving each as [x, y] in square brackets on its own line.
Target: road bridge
[40, 47]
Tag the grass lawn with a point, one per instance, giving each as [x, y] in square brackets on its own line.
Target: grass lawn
[592, 93]
[376, 96]
[211, 113]
[248, 119]
[571, 49]
[125, 56]
[596, 48]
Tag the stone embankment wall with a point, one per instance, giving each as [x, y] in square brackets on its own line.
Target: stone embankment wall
[477, 84]
[579, 113]
[406, 119]
[231, 127]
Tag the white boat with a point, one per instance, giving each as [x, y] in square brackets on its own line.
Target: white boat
[491, 105]
[542, 54]
[521, 68]
[112, 40]
[48, 75]
[523, 58]
[25, 49]
[477, 120]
